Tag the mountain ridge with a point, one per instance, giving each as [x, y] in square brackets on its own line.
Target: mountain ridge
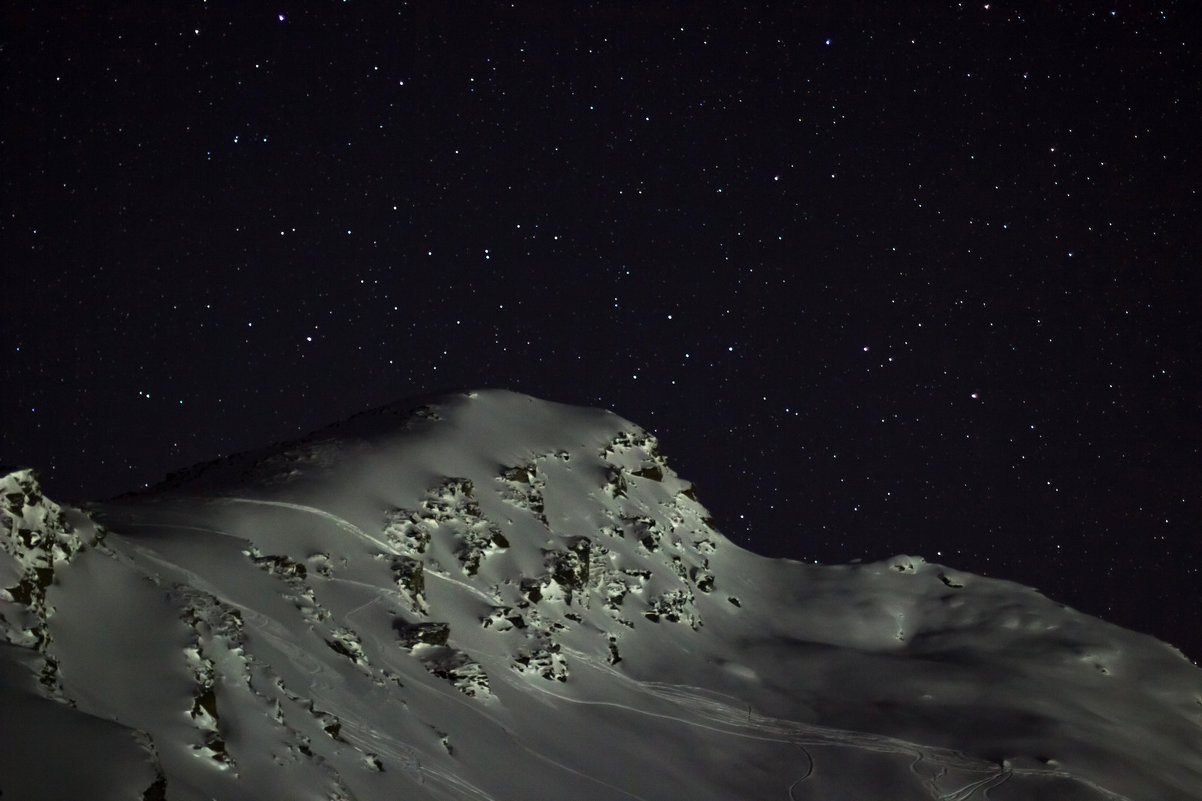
[500, 597]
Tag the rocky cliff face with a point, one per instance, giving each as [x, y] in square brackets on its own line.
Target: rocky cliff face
[488, 596]
[36, 540]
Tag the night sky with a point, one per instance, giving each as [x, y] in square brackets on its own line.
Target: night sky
[884, 278]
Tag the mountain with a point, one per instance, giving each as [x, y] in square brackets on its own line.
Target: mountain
[487, 596]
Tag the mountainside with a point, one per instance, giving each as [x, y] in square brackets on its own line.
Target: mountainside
[487, 596]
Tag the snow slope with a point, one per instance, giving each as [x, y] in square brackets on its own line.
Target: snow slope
[487, 596]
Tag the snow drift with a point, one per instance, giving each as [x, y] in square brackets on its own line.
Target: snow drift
[487, 596]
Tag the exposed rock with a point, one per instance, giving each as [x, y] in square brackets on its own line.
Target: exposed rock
[654, 472]
[457, 667]
[543, 660]
[280, 566]
[412, 634]
[35, 540]
[504, 618]
[570, 567]
[523, 487]
[410, 578]
[346, 642]
[675, 606]
[407, 530]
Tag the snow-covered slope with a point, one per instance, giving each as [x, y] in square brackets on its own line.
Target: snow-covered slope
[487, 596]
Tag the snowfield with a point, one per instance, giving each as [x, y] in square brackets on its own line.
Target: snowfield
[486, 596]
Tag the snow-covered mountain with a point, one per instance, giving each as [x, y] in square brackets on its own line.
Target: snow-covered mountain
[487, 596]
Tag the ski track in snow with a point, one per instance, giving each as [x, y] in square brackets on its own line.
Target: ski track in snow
[581, 774]
[479, 593]
[740, 721]
[809, 772]
[728, 716]
[261, 635]
[195, 579]
[351, 528]
[343, 524]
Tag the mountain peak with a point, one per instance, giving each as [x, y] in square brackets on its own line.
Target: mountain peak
[484, 595]
[494, 420]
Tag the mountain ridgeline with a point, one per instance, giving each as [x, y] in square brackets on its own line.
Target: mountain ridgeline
[488, 596]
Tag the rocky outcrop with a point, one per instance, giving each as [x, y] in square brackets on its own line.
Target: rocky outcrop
[36, 540]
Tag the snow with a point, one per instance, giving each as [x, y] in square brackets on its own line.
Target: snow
[488, 596]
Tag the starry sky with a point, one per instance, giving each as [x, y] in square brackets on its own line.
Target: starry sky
[883, 277]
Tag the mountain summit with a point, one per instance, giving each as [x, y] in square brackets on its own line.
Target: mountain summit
[487, 596]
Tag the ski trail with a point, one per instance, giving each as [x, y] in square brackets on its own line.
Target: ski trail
[343, 524]
[967, 791]
[809, 772]
[203, 529]
[131, 550]
[481, 594]
[708, 712]
[581, 774]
